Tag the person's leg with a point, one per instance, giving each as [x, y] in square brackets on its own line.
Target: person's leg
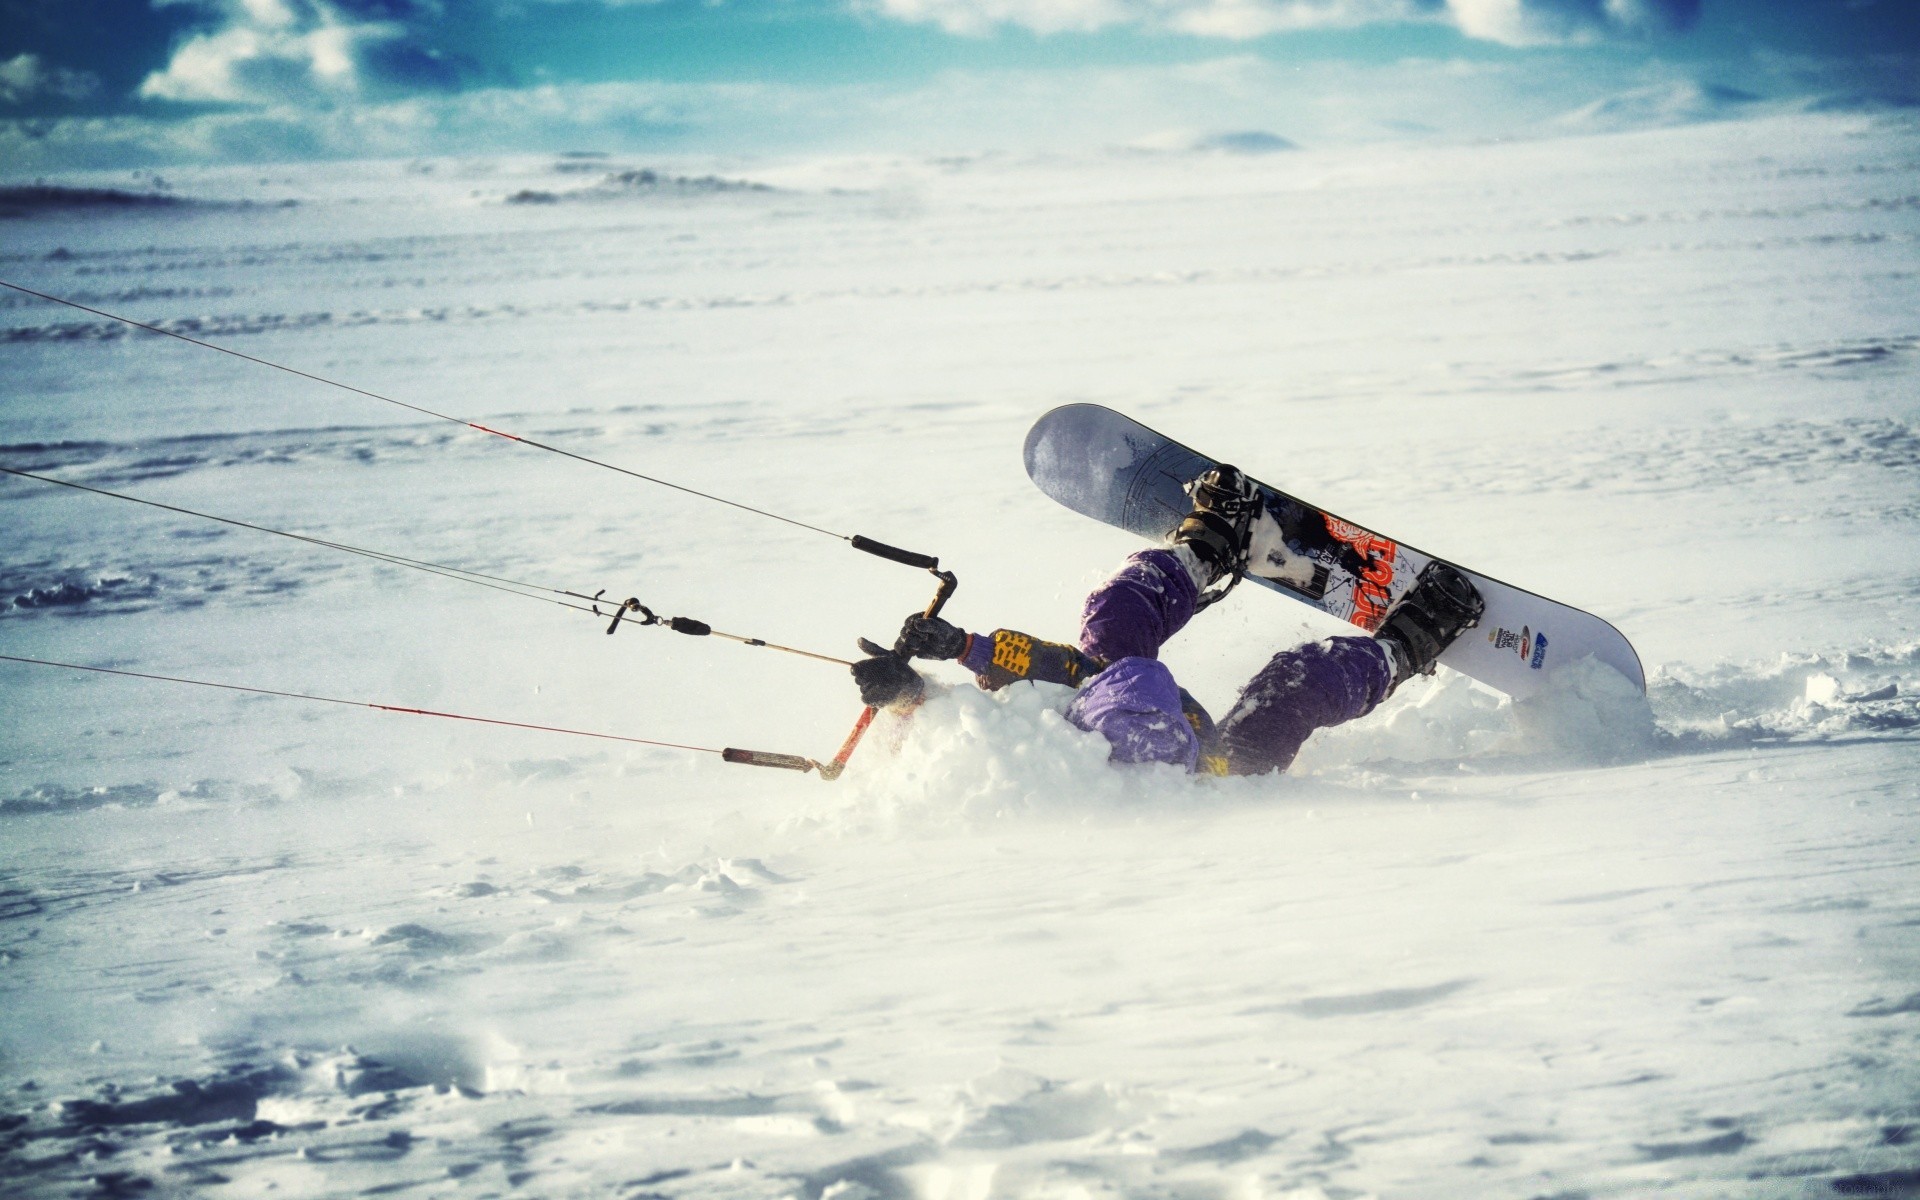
[1156, 592]
[1300, 690]
[1148, 600]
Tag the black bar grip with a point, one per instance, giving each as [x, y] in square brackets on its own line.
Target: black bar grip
[894, 553]
[766, 758]
[688, 625]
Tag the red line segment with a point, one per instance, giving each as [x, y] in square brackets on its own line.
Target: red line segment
[423, 712]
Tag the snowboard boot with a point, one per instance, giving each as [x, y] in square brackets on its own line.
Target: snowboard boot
[1441, 605]
[1225, 505]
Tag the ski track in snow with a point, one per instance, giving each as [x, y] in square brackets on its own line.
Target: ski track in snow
[1592, 946]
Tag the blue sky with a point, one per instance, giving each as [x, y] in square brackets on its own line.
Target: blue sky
[144, 82]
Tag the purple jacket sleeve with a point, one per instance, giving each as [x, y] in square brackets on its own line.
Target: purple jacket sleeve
[1135, 704]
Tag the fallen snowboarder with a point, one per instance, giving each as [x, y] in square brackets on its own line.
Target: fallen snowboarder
[1128, 696]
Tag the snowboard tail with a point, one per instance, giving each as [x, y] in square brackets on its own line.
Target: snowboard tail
[1107, 466]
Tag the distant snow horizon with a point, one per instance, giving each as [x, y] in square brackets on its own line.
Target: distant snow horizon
[1240, 104]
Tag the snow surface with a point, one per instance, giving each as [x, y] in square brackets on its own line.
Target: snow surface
[1591, 946]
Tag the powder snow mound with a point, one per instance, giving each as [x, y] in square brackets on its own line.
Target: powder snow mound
[968, 756]
[1589, 716]
[53, 200]
[642, 183]
[1684, 103]
[1233, 141]
[1586, 715]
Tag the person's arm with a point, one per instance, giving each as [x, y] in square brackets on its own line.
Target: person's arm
[1007, 656]
[999, 658]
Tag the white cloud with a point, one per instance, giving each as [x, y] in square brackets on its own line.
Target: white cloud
[1208, 18]
[251, 63]
[297, 51]
[1550, 22]
[1513, 22]
[25, 77]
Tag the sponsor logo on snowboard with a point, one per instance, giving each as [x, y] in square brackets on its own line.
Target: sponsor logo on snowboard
[1371, 594]
[1531, 647]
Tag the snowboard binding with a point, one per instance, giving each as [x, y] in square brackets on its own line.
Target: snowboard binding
[1217, 531]
[1441, 605]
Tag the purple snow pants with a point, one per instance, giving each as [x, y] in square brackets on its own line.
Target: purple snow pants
[1137, 706]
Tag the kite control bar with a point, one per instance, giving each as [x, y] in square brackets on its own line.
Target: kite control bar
[632, 612]
[948, 584]
[834, 767]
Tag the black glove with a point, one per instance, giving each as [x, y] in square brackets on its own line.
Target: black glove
[885, 678]
[930, 637]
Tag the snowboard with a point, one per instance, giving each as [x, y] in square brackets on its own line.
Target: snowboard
[1107, 466]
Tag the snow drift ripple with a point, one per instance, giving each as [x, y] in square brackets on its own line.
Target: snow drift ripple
[1800, 697]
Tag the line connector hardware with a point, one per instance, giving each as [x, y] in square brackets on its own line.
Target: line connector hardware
[693, 628]
[630, 604]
